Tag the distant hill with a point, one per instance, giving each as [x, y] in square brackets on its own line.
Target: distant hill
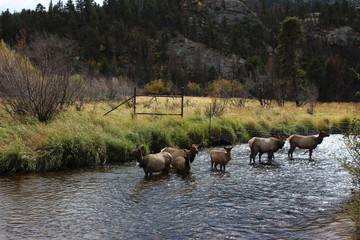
[281, 2]
[183, 41]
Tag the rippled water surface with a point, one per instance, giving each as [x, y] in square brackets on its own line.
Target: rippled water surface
[291, 199]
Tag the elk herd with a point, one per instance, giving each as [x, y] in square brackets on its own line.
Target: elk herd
[181, 159]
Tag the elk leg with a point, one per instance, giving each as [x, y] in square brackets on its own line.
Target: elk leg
[290, 152]
[251, 155]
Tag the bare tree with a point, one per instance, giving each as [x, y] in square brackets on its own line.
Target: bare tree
[38, 82]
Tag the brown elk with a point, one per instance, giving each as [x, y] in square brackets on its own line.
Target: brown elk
[174, 152]
[305, 142]
[265, 145]
[159, 162]
[183, 164]
[222, 158]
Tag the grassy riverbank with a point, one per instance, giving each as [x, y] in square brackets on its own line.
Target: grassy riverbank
[86, 137]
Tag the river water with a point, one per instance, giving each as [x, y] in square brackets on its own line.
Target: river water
[290, 199]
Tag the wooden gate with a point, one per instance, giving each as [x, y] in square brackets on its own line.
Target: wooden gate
[135, 97]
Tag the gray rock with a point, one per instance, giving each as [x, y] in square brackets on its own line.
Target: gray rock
[232, 10]
[343, 36]
[193, 55]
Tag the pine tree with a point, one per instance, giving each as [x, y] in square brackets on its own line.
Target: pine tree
[289, 51]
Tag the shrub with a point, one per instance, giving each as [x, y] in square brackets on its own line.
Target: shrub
[224, 88]
[157, 86]
[216, 108]
[41, 87]
[194, 89]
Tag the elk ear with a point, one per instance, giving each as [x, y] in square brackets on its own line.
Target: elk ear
[142, 148]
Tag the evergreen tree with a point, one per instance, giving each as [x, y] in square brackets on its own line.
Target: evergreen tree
[290, 40]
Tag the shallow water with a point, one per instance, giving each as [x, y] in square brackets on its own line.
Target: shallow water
[291, 199]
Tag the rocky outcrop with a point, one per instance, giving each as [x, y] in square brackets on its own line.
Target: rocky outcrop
[343, 36]
[194, 56]
[232, 11]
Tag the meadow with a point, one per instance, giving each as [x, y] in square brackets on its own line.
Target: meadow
[82, 137]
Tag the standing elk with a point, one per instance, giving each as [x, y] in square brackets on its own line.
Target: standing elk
[305, 142]
[222, 158]
[159, 162]
[265, 145]
[174, 152]
[183, 164]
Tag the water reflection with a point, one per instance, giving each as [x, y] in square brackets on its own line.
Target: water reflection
[289, 199]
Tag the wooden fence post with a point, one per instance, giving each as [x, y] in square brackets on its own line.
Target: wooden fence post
[134, 101]
[182, 102]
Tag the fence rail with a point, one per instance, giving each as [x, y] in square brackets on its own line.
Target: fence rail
[135, 96]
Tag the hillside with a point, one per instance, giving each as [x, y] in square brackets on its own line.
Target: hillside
[186, 41]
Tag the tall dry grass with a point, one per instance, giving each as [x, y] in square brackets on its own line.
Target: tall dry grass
[81, 138]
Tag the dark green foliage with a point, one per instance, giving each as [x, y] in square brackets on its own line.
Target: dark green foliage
[160, 138]
[199, 134]
[131, 37]
[254, 129]
[309, 126]
[352, 140]
[71, 152]
[344, 124]
[289, 51]
[222, 135]
[13, 161]
[117, 150]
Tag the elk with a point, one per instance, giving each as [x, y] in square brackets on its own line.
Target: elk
[174, 152]
[265, 145]
[183, 164]
[305, 142]
[222, 158]
[159, 162]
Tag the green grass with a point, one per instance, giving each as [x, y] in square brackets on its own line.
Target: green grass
[82, 138]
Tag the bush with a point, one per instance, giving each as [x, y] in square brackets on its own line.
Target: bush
[157, 86]
[216, 108]
[194, 89]
[224, 88]
[42, 87]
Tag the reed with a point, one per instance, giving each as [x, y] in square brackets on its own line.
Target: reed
[81, 138]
